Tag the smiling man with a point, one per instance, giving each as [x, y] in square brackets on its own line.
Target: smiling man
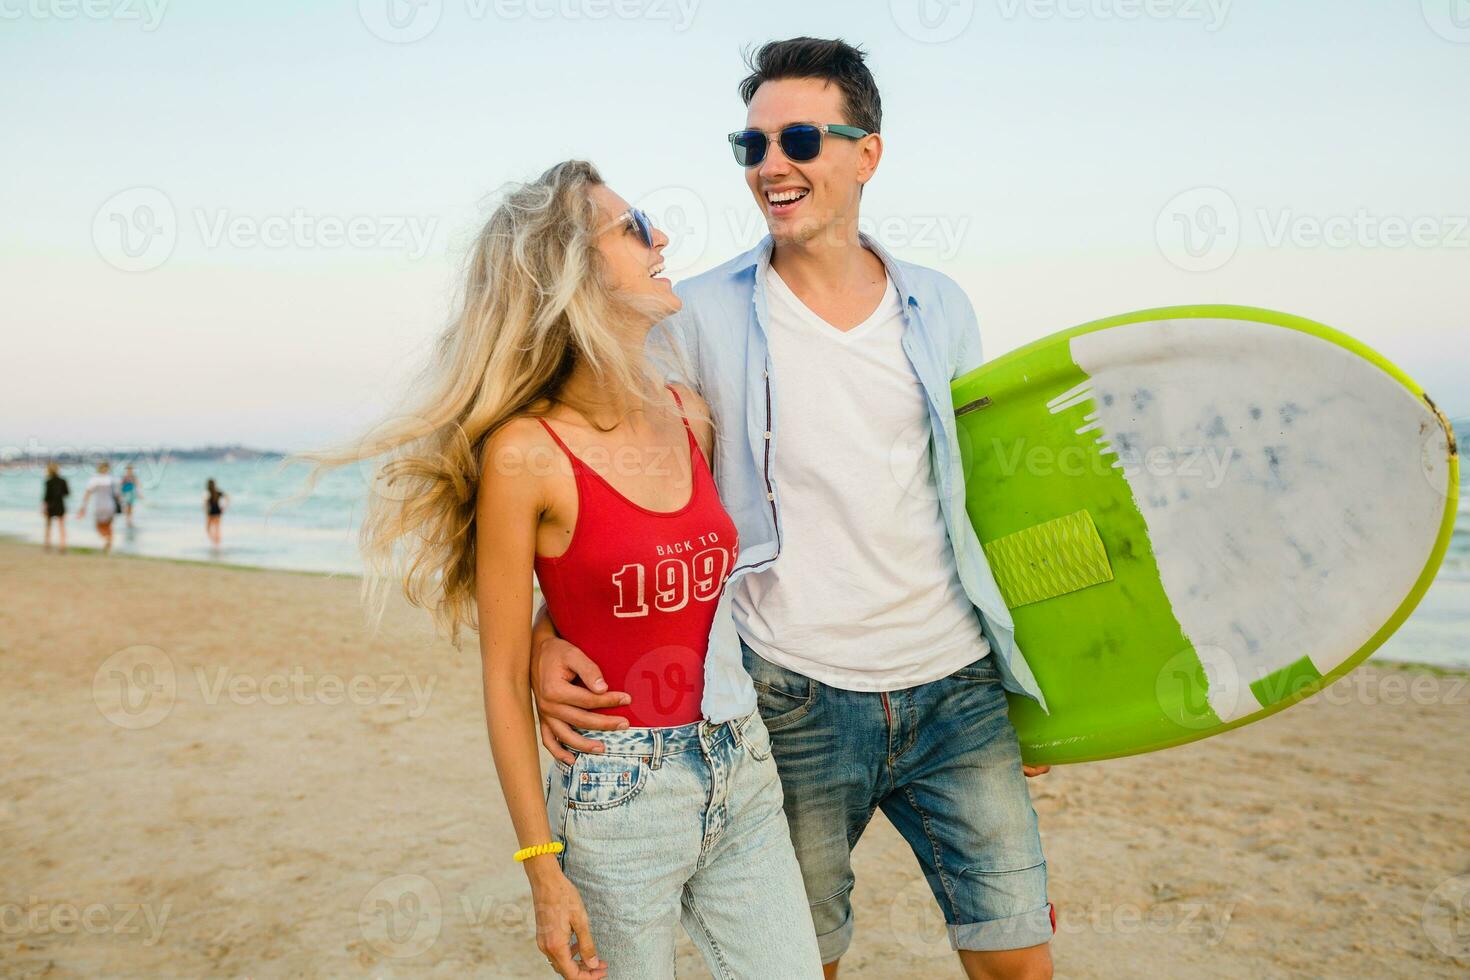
[864, 612]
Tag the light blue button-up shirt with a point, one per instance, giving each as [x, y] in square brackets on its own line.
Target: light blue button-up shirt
[722, 333]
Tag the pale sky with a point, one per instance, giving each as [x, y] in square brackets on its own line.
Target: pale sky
[243, 223]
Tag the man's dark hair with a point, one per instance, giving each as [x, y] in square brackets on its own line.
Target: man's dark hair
[835, 61]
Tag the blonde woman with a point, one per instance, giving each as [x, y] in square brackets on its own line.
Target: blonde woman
[546, 444]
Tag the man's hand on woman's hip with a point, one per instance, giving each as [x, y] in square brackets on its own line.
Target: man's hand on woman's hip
[557, 667]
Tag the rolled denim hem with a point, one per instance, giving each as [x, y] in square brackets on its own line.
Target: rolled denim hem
[835, 943]
[1012, 932]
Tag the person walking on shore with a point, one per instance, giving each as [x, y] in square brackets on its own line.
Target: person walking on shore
[215, 501]
[104, 485]
[53, 504]
[130, 493]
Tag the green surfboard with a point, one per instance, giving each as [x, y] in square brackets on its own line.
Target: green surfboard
[1198, 516]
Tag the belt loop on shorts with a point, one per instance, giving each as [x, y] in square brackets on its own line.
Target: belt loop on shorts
[658, 749]
[736, 732]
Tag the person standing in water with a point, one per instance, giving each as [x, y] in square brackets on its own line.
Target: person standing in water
[214, 506]
[53, 504]
[104, 486]
[130, 492]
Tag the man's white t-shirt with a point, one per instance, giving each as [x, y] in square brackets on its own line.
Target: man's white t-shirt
[866, 595]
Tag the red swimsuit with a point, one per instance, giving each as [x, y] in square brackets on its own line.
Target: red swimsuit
[636, 589]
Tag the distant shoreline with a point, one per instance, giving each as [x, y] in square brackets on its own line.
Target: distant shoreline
[124, 455]
[8, 539]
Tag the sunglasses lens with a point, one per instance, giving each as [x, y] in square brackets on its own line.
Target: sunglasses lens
[801, 143]
[643, 225]
[749, 147]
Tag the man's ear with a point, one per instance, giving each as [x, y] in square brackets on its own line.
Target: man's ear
[870, 152]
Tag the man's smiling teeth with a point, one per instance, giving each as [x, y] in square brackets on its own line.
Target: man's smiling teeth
[786, 197]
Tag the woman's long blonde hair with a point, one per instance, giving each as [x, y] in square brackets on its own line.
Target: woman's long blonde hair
[535, 305]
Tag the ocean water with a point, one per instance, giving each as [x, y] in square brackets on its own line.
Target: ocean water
[319, 533]
[261, 527]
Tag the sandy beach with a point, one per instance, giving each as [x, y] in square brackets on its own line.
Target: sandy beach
[215, 771]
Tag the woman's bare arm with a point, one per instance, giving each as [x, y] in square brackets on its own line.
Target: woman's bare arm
[507, 514]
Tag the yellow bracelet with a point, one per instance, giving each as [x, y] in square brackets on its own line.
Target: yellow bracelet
[536, 850]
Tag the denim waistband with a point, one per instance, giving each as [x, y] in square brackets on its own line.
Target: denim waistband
[658, 743]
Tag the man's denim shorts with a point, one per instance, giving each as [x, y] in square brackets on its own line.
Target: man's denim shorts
[942, 762]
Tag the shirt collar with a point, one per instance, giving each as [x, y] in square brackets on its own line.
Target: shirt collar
[760, 256]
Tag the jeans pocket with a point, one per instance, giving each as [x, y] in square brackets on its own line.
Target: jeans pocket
[601, 782]
[983, 669]
[757, 740]
[783, 696]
